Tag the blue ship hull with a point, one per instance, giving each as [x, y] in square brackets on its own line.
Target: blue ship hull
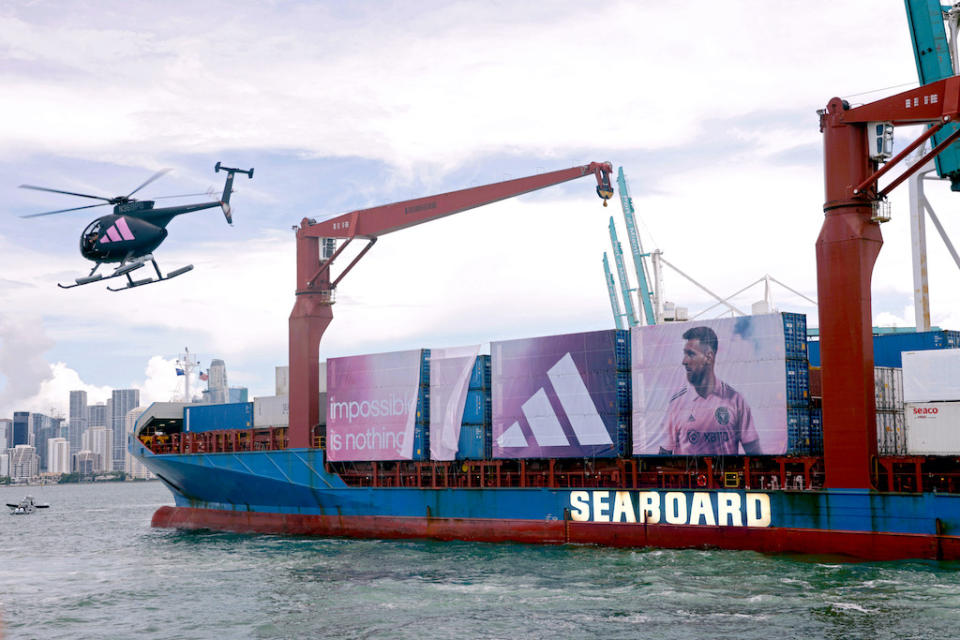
[290, 492]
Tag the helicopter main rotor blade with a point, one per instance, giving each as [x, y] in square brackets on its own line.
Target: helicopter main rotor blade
[50, 213]
[184, 195]
[149, 180]
[69, 193]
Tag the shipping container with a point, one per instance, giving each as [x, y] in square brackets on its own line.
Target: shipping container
[931, 376]
[889, 347]
[478, 408]
[217, 417]
[798, 431]
[476, 442]
[933, 428]
[480, 374]
[891, 433]
[795, 335]
[888, 385]
[798, 383]
[271, 411]
[816, 431]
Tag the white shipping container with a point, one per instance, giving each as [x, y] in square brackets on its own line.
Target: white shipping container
[282, 376]
[888, 388]
[933, 428]
[891, 433]
[271, 411]
[931, 376]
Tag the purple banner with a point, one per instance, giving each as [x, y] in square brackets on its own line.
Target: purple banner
[711, 387]
[372, 406]
[450, 371]
[555, 396]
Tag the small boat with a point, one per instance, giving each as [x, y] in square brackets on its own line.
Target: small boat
[25, 507]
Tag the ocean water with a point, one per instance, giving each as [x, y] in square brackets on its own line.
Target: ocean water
[91, 567]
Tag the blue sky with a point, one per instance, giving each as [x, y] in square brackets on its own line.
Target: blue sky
[711, 112]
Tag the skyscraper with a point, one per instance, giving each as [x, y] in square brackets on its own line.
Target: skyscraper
[58, 455]
[42, 428]
[99, 441]
[217, 382]
[122, 402]
[6, 434]
[78, 419]
[97, 416]
[24, 462]
[21, 428]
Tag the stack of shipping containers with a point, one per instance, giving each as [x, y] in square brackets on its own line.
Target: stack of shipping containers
[804, 435]
[476, 438]
[891, 432]
[931, 391]
[893, 422]
[421, 431]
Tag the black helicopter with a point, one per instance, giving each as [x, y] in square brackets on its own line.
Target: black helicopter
[134, 230]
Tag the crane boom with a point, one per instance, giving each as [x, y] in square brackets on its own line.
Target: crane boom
[612, 290]
[384, 219]
[313, 310]
[622, 274]
[639, 263]
[931, 50]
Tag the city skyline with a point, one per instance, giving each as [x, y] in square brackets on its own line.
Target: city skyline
[92, 437]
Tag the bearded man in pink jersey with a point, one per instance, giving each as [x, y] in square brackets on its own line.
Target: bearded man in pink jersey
[707, 417]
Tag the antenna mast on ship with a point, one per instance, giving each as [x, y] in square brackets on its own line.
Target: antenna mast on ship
[187, 363]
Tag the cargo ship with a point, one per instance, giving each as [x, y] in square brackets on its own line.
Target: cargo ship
[679, 435]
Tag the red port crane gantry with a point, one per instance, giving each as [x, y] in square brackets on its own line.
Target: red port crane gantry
[313, 312]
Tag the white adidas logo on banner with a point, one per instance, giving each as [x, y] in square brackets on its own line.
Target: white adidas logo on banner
[576, 402]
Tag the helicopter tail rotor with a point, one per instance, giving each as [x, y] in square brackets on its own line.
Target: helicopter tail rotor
[228, 187]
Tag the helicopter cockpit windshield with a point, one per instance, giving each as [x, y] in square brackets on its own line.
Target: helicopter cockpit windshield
[89, 238]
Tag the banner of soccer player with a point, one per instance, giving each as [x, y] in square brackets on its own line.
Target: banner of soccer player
[711, 387]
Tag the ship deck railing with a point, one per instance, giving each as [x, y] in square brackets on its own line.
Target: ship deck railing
[898, 474]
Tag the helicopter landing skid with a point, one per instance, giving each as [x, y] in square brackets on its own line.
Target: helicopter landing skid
[126, 270]
[131, 283]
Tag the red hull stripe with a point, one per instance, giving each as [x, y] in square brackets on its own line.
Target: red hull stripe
[856, 544]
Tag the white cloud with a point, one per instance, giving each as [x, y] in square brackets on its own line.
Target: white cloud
[160, 384]
[431, 87]
[53, 396]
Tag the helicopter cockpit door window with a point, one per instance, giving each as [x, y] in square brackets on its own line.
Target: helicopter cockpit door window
[90, 235]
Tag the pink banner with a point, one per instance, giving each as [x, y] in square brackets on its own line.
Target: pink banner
[710, 387]
[450, 371]
[372, 406]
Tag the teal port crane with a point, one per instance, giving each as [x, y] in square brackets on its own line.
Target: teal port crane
[622, 274]
[932, 51]
[636, 248]
[612, 290]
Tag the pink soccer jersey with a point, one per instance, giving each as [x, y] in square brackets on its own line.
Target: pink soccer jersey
[715, 425]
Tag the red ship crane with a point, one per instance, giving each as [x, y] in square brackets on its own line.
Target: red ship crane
[847, 249]
[313, 311]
